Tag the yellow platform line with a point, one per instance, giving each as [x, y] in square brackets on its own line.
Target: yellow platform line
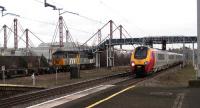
[110, 97]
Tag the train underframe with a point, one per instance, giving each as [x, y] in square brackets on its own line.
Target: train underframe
[12, 73]
[66, 68]
[140, 71]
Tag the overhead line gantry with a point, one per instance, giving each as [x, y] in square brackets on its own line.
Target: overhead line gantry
[60, 26]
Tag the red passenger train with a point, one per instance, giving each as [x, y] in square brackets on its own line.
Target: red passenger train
[146, 60]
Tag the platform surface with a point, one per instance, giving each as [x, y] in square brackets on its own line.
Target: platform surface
[141, 97]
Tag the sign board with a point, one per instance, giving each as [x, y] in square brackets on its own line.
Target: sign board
[3, 68]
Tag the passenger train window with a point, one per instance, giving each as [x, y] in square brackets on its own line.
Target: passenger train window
[141, 52]
[161, 56]
[171, 56]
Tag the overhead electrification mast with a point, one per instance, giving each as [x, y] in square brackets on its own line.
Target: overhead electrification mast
[60, 26]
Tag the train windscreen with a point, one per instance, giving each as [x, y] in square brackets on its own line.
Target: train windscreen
[141, 52]
[58, 55]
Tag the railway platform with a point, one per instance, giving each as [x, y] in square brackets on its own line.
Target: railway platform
[170, 90]
[140, 97]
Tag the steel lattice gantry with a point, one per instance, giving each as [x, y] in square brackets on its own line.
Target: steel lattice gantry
[145, 41]
[152, 40]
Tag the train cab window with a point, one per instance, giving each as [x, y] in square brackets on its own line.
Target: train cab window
[58, 55]
[141, 52]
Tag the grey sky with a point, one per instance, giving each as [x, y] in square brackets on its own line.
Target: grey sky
[139, 17]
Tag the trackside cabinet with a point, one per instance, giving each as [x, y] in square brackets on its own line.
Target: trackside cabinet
[75, 68]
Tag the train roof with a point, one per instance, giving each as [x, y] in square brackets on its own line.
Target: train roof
[164, 51]
[69, 52]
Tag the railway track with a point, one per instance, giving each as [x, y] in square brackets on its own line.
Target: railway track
[137, 80]
[42, 94]
[32, 96]
[7, 90]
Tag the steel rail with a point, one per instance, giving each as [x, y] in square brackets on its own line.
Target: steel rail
[32, 96]
[42, 94]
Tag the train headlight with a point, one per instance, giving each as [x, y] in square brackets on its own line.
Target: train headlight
[146, 62]
[132, 64]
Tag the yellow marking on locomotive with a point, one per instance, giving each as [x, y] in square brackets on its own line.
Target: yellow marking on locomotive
[78, 59]
[141, 61]
[58, 61]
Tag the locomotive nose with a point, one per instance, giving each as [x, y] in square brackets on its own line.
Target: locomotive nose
[146, 63]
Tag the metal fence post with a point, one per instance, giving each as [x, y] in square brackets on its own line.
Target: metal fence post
[3, 74]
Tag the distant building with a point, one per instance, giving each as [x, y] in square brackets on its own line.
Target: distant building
[44, 49]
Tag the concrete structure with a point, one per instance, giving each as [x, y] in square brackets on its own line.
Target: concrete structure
[15, 34]
[12, 52]
[44, 49]
[198, 37]
[110, 48]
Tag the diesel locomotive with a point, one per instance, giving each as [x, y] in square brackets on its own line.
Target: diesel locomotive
[63, 59]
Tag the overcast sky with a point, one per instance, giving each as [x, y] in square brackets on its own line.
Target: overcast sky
[139, 17]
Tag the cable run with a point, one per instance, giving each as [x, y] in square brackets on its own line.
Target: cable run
[93, 20]
[127, 32]
[124, 34]
[39, 1]
[21, 28]
[107, 37]
[38, 21]
[1, 29]
[95, 33]
[9, 32]
[18, 36]
[70, 36]
[31, 42]
[55, 33]
[36, 36]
